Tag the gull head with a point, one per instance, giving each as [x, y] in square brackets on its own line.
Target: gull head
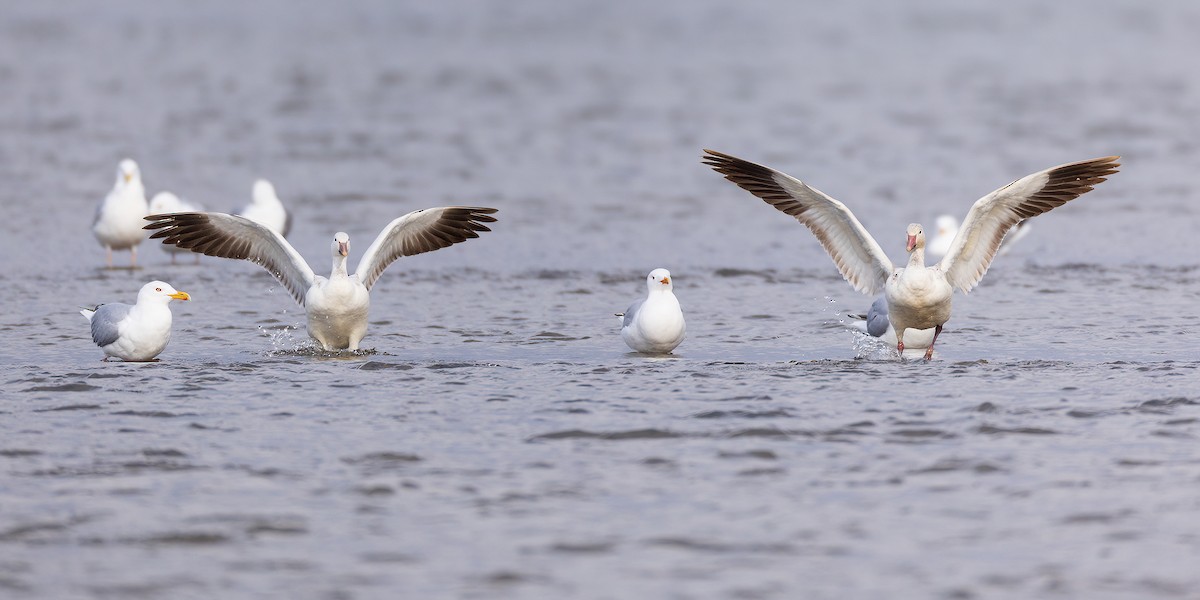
[163, 203]
[916, 237]
[264, 192]
[659, 279]
[128, 172]
[161, 292]
[341, 244]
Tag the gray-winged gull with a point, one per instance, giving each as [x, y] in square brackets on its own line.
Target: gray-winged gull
[876, 324]
[139, 332]
[654, 324]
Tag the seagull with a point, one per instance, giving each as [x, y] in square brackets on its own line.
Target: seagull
[135, 333]
[118, 222]
[939, 244]
[654, 325]
[266, 208]
[947, 228]
[876, 324]
[337, 305]
[166, 202]
[918, 297]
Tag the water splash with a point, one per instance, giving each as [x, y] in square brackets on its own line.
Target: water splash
[310, 349]
[872, 348]
[282, 338]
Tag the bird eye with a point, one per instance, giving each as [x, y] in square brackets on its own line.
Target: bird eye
[158, 289]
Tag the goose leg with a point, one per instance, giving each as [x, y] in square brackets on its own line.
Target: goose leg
[936, 333]
[900, 342]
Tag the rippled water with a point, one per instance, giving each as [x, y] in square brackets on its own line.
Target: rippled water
[499, 441]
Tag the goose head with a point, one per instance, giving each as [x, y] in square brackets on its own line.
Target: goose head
[916, 237]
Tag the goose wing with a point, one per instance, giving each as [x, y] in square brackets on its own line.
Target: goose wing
[857, 255]
[420, 231]
[230, 236]
[991, 217]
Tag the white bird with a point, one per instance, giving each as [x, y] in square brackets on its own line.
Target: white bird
[118, 221]
[337, 305]
[947, 228]
[266, 208]
[918, 297]
[939, 244]
[655, 324]
[166, 202]
[139, 332]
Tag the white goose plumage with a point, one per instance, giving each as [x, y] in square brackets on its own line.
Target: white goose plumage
[337, 305]
[918, 296]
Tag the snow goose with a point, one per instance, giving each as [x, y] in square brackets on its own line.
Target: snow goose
[918, 296]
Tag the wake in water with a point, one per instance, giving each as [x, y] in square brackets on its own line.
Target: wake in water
[285, 342]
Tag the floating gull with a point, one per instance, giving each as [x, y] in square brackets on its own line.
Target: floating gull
[337, 305]
[655, 324]
[166, 202]
[939, 244]
[135, 333]
[876, 324]
[947, 228]
[918, 297]
[266, 208]
[118, 222]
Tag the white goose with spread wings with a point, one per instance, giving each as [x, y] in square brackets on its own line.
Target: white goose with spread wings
[336, 305]
[918, 296]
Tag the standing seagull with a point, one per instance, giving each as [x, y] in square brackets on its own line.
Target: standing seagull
[266, 208]
[918, 297]
[135, 333]
[118, 222]
[166, 202]
[337, 305]
[654, 325]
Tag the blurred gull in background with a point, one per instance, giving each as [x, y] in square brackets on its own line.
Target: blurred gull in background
[118, 222]
[165, 203]
[266, 208]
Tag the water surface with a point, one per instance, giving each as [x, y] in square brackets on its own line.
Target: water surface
[499, 441]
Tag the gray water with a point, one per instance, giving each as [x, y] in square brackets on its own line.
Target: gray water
[499, 441]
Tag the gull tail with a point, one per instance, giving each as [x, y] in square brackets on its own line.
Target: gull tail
[88, 313]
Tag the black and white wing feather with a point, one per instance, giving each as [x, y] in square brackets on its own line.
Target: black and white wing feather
[857, 255]
[230, 236]
[991, 217]
[420, 231]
